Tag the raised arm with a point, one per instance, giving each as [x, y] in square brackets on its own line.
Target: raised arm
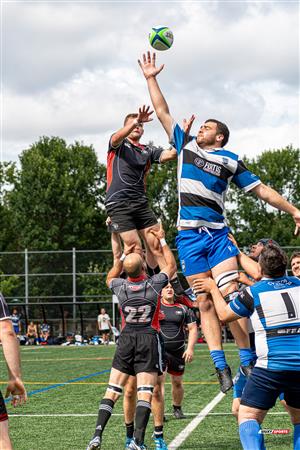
[150, 71]
[169, 155]
[274, 199]
[251, 267]
[133, 122]
[170, 266]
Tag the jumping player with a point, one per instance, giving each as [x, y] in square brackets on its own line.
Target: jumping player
[273, 305]
[138, 352]
[205, 169]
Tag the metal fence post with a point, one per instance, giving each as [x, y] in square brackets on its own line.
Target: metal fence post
[26, 279]
[74, 285]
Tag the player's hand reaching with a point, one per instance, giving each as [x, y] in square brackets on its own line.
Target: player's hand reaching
[296, 217]
[144, 115]
[188, 355]
[148, 65]
[17, 391]
[159, 233]
[204, 285]
[187, 124]
[232, 239]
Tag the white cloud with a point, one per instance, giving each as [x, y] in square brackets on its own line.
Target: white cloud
[70, 69]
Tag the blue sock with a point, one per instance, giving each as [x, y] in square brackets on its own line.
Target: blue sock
[250, 435]
[218, 357]
[297, 436]
[246, 356]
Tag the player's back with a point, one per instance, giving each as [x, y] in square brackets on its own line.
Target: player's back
[139, 302]
[276, 322]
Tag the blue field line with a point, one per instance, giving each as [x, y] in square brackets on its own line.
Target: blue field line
[54, 386]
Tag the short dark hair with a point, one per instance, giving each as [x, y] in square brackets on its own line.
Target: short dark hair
[130, 116]
[265, 241]
[273, 261]
[295, 255]
[222, 128]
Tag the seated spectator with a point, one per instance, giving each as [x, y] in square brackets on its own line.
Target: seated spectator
[32, 334]
[44, 333]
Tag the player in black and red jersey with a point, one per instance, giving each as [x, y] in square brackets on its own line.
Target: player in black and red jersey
[138, 352]
[174, 319]
[15, 388]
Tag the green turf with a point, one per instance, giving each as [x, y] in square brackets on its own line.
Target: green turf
[45, 366]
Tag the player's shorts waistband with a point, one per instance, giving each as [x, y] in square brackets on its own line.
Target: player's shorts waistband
[210, 231]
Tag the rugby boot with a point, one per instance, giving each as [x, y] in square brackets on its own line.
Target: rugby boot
[225, 379]
[160, 444]
[178, 413]
[128, 442]
[246, 370]
[95, 443]
[134, 446]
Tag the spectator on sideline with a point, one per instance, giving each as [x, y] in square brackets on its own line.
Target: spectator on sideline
[15, 386]
[104, 325]
[32, 333]
[16, 321]
[44, 333]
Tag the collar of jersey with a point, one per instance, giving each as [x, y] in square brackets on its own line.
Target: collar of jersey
[139, 278]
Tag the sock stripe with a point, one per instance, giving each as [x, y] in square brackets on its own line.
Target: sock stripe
[143, 403]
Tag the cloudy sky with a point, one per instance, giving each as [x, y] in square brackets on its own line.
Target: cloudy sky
[69, 69]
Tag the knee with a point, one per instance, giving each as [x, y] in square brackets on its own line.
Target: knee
[205, 304]
[235, 408]
[130, 393]
[177, 384]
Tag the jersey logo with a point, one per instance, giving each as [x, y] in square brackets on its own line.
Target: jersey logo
[209, 167]
[135, 287]
[179, 313]
[127, 145]
[225, 161]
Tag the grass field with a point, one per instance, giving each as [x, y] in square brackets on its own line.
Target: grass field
[65, 385]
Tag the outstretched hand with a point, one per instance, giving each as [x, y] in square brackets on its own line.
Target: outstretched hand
[203, 285]
[158, 233]
[297, 222]
[148, 65]
[144, 114]
[187, 124]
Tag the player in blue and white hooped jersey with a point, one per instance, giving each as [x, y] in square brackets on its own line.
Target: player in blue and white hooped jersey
[205, 169]
[273, 305]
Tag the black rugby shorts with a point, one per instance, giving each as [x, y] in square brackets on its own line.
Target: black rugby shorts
[133, 215]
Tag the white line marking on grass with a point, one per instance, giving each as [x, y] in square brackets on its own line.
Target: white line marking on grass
[121, 415]
[184, 434]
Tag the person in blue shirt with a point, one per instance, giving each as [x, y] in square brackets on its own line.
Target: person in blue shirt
[273, 305]
[205, 169]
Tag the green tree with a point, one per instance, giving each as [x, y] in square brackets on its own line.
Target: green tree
[58, 196]
[251, 218]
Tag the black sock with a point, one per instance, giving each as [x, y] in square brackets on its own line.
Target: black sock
[158, 431]
[176, 285]
[176, 408]
[129, 429]
[142, 414]
[105, 411]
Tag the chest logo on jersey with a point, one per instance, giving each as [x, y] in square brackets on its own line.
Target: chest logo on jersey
[179, 313]
[209, 167]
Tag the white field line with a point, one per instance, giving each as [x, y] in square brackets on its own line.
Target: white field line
[184, 434]
[121, 415]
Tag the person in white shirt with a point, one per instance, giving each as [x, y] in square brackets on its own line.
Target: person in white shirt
[104, 325]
